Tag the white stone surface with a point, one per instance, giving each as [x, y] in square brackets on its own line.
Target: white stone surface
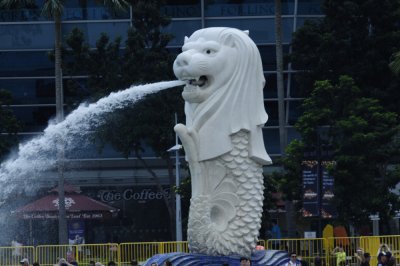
[223, 139]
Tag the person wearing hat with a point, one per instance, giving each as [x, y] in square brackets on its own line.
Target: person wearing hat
[386, 259]
[24, 262]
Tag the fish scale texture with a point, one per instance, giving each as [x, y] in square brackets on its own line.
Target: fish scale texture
[227, 220]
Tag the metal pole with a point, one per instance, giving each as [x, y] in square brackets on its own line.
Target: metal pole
[319, 192]
[177, 196]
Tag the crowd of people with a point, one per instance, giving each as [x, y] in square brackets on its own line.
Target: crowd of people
[384, 256]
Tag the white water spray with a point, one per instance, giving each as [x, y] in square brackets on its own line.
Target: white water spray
[40, 153]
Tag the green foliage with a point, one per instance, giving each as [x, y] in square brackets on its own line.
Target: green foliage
[289, 182]
[356, 38]
[361, 135]
[9, 125]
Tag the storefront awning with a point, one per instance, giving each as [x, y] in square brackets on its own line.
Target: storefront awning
[77, 207]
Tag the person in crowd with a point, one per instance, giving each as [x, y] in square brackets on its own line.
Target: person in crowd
[244, 261]
[366, 260]
[99, 264]
[340, 255]
[111, 263]
[153, 264]
[302, 262]
[383, 248]
[386, 259]
[317, 261]
[275, 235]
[167, 263]
[63, 262]
[359, 255]
[24, 262]
[293, 260]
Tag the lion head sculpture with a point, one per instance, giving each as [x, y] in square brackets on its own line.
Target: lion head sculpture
[224, 90]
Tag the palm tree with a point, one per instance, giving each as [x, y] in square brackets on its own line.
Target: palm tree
[54, 9]
[281, 104]
[279, 78]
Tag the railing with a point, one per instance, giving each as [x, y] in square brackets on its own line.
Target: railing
[122, 254]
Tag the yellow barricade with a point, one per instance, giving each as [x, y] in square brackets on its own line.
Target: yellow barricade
[372, 244]
[10, 256]
[122, 254]
[349, 245]
[139, 251]
[306, 248]
[179, 246]
[103, 253]
[48, 255]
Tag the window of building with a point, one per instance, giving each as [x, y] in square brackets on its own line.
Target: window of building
[25, 64]
[35, 118]
[261, 30]
[182, 8]
[30, 91]
[234, 8]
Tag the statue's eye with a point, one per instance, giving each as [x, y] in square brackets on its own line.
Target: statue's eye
[208, 51]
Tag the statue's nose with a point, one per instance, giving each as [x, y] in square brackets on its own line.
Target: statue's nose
[182, 59]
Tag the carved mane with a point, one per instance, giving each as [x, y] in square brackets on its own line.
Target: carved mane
[238, 105]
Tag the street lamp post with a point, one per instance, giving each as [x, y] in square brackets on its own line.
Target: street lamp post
[178, 216]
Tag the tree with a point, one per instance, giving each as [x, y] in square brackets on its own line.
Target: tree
[361, 134]
[356, 38]
[9, 125]
[54, 9]
[148, 125]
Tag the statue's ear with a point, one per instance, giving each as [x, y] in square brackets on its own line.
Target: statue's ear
[247, 32]
[186, 39]
[229, 40]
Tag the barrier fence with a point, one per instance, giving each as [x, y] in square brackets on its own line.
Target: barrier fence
[122, 254]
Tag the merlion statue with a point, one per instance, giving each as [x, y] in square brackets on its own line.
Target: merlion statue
[223, 139]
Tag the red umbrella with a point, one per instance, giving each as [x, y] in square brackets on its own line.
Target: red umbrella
[77, 207]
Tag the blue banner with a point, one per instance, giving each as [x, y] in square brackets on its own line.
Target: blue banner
[310, 189]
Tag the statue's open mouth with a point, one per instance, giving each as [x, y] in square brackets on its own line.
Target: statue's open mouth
[199, 81]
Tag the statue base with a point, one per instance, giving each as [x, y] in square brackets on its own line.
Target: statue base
[258, 258]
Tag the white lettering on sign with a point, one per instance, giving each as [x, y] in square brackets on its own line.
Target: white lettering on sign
[129, 194]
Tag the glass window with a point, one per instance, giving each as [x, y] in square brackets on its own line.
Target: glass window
[295, 111]
[21, 15]
[295, 90]
[271, 140]
[86, 150]
[93, 13]
[22, 36]
[30, 91]
[272, 110]
[309, 7]
[229, 8]
[25, 64]
[35, 118]
[268, 56]
[271, 88]
[93, 31]
[182, 8]
[261, 30]
[180, 29]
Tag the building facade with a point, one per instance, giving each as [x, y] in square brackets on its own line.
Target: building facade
[28, 73]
